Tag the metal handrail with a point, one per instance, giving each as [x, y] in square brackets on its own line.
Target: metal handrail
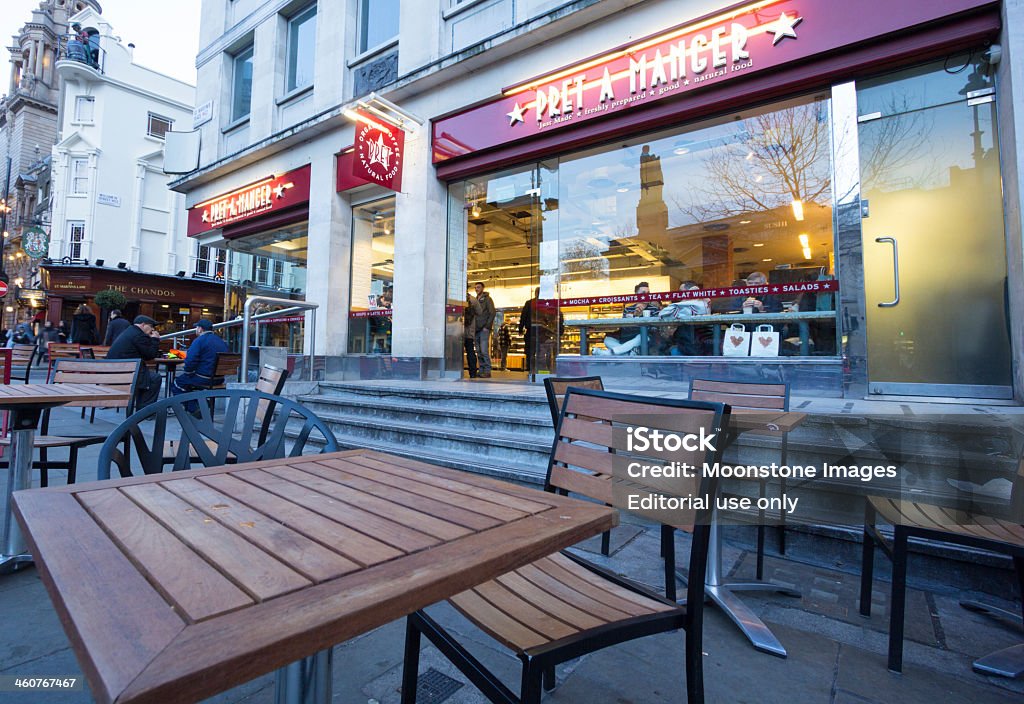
[248, 318]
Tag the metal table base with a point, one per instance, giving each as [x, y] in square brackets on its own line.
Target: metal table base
[1008, 662]
[722, 593]
[19, 477]
[306, 681]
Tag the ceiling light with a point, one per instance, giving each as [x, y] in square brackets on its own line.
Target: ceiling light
[766, 260]
[745, 222]
[804, 241]
[798, 209]
[759, 244]
[476, 211]
[807, 253]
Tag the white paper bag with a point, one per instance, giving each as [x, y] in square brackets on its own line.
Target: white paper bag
[764, 342]
[736, 342]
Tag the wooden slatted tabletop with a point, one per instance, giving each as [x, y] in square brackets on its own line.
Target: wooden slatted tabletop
[177, 586]
[13, 395]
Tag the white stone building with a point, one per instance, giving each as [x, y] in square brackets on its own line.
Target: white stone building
[110, 195]
[585, 147]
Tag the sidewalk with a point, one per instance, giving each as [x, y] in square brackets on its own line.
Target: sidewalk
[835, 655]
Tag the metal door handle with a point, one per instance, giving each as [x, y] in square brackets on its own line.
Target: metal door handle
[895, 271]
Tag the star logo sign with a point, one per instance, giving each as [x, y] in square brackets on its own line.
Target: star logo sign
[206, 216]
[516, 115]
[783, 27]
[379, 153]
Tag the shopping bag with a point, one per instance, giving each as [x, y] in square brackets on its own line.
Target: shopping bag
[736, 342]
[764, 342]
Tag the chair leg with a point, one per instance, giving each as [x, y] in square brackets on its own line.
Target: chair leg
[1018, 565]
[549, 678]
[44, 469]
[782, 489]
[897, 602]
[867, 561]
[668, 551]
[92, 415]
[533, 675]
[606, 543]
[759, 569]
[694, 663]
[72, 464]
[411, 664]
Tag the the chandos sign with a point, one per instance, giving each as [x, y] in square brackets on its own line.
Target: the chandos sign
[272, 194]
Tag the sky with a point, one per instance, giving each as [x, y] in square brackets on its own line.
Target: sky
[164, 41]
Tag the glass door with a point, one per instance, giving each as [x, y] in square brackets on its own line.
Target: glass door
[933, 236]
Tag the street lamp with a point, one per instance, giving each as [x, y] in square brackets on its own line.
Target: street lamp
[4, 209]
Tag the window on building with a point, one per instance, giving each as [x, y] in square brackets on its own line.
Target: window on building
[262, 271]
[373, 277]
[301, 49]
[76, 239]
[378, 22]
[211, 261]
[277, 281]
[79, 177]
[241, 86]
[158, 126]
[84, 108]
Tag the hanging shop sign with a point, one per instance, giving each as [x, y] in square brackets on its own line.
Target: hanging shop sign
[36, 242]
[748, 39]
[268, 196]
[379, 151]
[34, 297]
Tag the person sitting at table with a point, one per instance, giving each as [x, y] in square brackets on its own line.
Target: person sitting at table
[691, 340]
[732, 304]
[767, 303]
[140, 341]
[200, 362]
[627, 340]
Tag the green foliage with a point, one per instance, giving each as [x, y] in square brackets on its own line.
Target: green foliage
[109, 299]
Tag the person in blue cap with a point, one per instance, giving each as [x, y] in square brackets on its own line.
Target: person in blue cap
[200, 361]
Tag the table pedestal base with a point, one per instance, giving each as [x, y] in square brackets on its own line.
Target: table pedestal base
[19, 476]
[1008, 662]
[306, 681]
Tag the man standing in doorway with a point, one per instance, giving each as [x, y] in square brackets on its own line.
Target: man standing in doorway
[115, 327]
[484, 323]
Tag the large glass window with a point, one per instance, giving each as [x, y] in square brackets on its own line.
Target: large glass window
[722, 226]
[272, 263]
[373, 277]
[241, 85]
[76, 238]
[378, 22]
[301, 49]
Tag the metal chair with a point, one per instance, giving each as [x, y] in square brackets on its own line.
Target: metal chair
[21, 356]
[61, 350]
[207, 441]
[561, 606]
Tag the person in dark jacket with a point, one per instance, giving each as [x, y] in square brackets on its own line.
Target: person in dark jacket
[83, 326]
[47, 335]
[484, 322]
[140, 341]
[469, 314]
[200, 362]
[115, 327]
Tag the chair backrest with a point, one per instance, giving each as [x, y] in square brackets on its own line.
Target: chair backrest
[119, 374]
[87, 353]
[5, 366]
[61, 350]
[227, 364]
[741, 394]
[97, 351]
[211, 441]
[21, 355]
[271, 382]
[595, 451]
[555, 388]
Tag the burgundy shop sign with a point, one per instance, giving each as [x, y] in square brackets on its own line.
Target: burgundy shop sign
[745, 40]
[263, 198]
[706, 293]
[284, 319]
[379, 152]
[380, 313]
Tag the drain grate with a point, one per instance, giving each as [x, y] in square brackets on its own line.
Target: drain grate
[434, 687]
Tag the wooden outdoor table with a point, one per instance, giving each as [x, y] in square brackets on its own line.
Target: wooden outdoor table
[25, 403]
[170, 365]
[177, 586]
[716, 321]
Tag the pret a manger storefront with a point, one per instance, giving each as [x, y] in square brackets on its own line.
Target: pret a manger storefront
[821, 180]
